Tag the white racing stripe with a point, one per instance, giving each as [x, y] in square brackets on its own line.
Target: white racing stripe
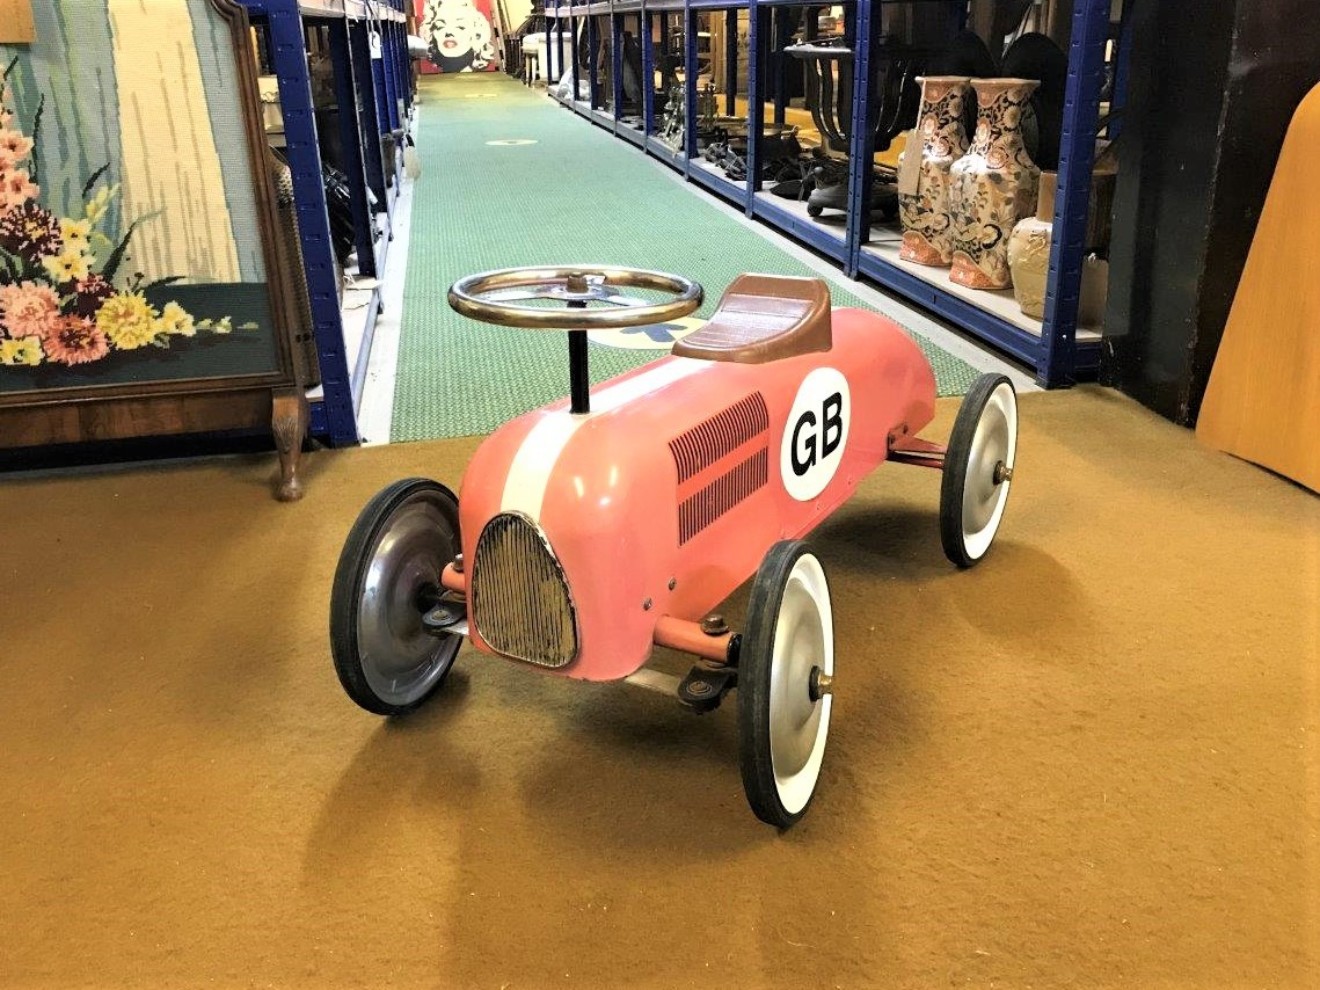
[529, 474]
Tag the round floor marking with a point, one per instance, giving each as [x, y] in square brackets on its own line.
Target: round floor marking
[512, 142]
[657, 337]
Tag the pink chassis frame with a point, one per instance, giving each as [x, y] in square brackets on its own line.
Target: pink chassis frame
[604, 488]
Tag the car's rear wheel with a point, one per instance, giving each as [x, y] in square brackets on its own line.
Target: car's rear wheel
[978, 469]
[785, 666]
[388, 577]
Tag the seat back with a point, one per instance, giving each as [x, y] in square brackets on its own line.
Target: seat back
[764, 318]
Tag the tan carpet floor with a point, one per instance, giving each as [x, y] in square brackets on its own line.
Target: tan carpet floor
[1091, 762]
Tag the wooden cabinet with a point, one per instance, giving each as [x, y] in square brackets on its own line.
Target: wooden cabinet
[144, 285]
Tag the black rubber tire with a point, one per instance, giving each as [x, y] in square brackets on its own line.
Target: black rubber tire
[755, 656]
[956, 462]
[350, 575]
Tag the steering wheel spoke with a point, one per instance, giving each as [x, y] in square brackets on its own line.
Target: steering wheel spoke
[514, 295]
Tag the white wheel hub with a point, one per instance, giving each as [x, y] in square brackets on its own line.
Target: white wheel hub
[989, 470]
[804, 642]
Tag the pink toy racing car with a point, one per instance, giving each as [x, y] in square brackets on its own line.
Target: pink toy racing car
[594, 529]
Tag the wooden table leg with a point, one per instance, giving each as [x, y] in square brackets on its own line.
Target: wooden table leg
[289, 422]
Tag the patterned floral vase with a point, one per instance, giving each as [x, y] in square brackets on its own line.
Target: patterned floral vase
[993, 186]
[927, 238]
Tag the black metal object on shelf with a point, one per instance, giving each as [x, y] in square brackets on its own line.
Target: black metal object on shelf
[927, 33]
[829, 63]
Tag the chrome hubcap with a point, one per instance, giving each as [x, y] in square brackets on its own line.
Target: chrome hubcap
[400, 659]
[820, 684]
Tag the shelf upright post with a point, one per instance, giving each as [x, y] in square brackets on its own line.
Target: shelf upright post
[289, 55]
[1081, 113]
[386, 29]
[359, 45]
[405, 66]
[384, 116]
[616, 63]
[400, 51]
[756, 32]
[377, 80]
[731, 62]
[861, 152]
[404, 62]
[395, 44]
[573, 29]
[390, 118]
[690, 86]
[648, 76]
[810, 29]
[350, 136]
[387, 65]
[783, 35]
[551, 30]
[593, 63]
[665, 43]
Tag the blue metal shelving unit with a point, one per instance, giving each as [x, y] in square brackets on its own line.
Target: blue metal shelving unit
[384, 83]
[1053, 349]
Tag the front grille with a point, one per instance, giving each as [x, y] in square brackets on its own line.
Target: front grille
[520, 600]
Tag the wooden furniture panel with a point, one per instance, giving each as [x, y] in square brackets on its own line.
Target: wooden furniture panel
[1263, 399]
[141, 262]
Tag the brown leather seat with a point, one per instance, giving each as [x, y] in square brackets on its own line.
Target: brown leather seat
[764, 318]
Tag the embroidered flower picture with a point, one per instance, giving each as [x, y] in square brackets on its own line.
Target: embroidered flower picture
[62, 299]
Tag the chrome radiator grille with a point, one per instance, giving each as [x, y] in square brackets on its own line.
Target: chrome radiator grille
[520, 600]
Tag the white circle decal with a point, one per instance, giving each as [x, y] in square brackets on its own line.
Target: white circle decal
[511, 142]
[816, 434]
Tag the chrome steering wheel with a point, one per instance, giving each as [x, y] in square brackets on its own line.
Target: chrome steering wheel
[491, 296]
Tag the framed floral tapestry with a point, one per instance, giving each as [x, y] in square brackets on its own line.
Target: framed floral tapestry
[141, 285]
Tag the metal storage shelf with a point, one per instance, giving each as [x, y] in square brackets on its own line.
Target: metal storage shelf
[380, 89]
[1060, 352]
[634, 135]
[675, 159]
[829, 234]
[354, 9]
[884, 251]
[704, 173]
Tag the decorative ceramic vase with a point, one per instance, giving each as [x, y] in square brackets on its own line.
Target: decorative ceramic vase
[927, 238]
[1029, 254]
[993, 186]
[1029, 251]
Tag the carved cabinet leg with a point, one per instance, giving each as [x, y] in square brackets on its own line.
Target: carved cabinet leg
[289, 421]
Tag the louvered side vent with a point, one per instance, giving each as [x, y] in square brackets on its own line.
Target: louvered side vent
[722, 434]
[700, 510]
[520, 600]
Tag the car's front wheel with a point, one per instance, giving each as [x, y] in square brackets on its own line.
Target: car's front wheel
[388, 577]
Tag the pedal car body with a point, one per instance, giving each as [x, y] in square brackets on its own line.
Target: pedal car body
[664, 498]
[592, 530]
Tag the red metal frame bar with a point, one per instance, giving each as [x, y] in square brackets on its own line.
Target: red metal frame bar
[687, 637]
[917, 452]
[452, 579]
